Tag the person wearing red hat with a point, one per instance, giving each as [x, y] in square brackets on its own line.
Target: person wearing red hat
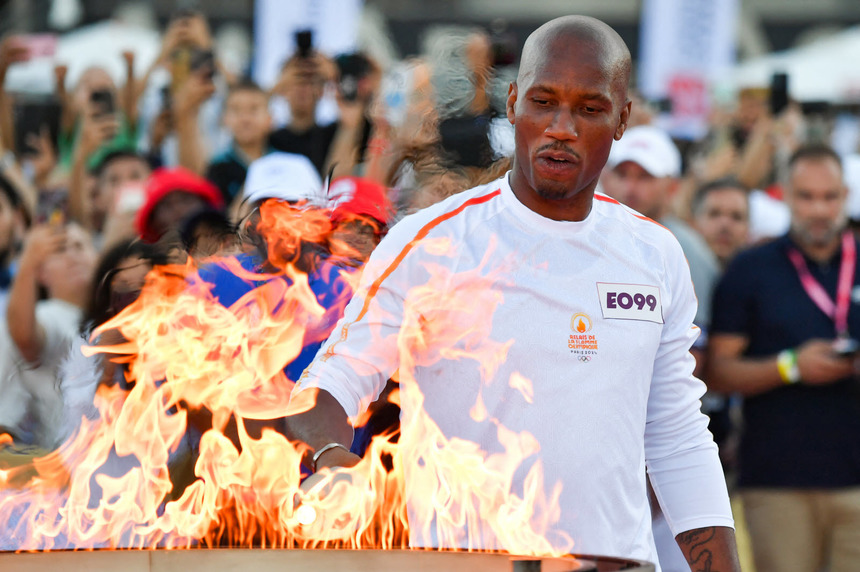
[360, 213]
[173, 195]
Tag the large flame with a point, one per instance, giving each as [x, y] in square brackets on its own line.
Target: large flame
[198, 371]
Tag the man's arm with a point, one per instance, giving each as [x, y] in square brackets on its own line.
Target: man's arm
[321, 420]
[186, 107]
[729, 371]
[682, 460]
[26, 332]
[711, 549]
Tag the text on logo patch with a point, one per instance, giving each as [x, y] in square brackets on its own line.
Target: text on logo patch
[630, 302]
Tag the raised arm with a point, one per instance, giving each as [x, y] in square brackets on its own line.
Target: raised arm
[186, 107]
[95, 130]
[25, 331]
[128, 94]
[12, 50]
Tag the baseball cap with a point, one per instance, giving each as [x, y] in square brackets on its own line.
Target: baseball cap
[351, 196]
[283, 176]
[164, 181]
[649, 147]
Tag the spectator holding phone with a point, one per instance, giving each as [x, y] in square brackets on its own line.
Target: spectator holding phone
[182, 93]
[42, 319]
[784, 318]
[302, 83]
[97, 106]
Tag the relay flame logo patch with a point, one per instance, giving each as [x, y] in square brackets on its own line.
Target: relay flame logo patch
[581, 343]
[581, 323]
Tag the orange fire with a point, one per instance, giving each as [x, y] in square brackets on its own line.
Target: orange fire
[126, 479]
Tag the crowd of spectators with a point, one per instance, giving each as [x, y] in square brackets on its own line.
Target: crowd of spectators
[85, 214]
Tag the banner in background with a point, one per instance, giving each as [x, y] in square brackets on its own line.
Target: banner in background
[334, 24]
[686, 47]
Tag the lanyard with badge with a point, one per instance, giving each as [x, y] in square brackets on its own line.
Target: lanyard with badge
[836, 310]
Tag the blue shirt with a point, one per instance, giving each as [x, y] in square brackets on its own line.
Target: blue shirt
[332, 292]
[798, 435]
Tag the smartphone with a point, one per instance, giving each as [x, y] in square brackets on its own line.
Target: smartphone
[846, 347]
[304, 42]
[778, 93]
[202, 60]
[166, 98]
[51, 207]
[352, 69]
[103, 102]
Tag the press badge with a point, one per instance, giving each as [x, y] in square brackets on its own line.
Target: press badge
[630, 302]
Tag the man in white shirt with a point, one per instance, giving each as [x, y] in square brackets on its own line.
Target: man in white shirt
[593, 302]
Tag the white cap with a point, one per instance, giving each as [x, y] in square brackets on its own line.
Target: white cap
[650, 148]
[284, 176]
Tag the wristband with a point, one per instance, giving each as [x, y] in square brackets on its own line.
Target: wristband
[786, 363]
[320, 452]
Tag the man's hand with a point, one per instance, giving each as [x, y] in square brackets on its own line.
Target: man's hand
[191, 95]
[820, 365]
[334, 504]
[160, 128]
[41, 242]
[711, 549]
[96, 130]
[12, 51]
[45, 158]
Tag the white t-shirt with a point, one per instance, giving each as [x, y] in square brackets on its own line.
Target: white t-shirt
[599, 317]
[32, 402]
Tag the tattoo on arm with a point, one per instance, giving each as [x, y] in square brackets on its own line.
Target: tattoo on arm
[698, 549]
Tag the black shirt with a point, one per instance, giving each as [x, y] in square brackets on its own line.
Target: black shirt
[798, 435]
[313, 143]
[228, 172]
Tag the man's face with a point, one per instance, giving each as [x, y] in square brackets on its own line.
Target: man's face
[115, 175]
[816, 197]
[723, 221]
[355, 238]
[247, 116]
[632, 185]
[174, 208]
[566, 112]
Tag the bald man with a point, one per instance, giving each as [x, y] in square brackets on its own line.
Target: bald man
[596, 305]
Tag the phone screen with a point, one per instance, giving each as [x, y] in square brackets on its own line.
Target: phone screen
[102, 100]
[778, 93]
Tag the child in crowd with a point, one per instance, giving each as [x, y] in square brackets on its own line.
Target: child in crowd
[246, 117]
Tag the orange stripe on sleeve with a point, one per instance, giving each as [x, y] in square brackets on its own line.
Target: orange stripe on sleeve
[639, 216]
[425, 230]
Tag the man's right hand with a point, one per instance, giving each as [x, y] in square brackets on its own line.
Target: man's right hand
[334, 504]
[97, 130]
[820, 365]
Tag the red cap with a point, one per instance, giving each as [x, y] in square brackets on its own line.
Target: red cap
[351, 196]
[164, 181]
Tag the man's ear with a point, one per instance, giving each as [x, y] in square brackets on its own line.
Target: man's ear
[512, 100]
[622, 120]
